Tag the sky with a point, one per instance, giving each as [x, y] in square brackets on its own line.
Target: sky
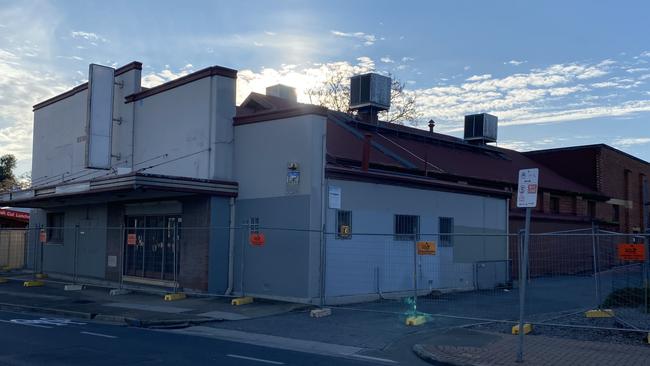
[556, 73]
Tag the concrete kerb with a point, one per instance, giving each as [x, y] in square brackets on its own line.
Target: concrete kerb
[429, 357]
[45, 310]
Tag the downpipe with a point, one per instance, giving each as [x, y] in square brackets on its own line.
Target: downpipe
[231, 248]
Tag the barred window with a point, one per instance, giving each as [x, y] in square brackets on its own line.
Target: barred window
[407, 227]
[55, 224]
[254, 225]
[343, 224]
[446, 229]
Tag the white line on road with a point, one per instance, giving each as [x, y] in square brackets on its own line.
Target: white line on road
[255, 359]
[98, 335]
[369, 358]
[27, 324]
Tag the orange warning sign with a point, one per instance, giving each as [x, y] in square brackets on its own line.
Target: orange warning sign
[42, 237]
[427, 248]
[131, 239]
[257, 239]
[631, 252]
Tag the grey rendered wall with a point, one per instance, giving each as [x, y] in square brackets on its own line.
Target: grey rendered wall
[366, 264]
[281, 267]
[192, 124]
[91, 241]
[219, 245]
[59, 138]
[262, 152]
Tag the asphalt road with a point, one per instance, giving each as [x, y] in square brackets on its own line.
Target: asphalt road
[27, 339]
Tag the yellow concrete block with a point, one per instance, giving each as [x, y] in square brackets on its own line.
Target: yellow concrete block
[174, 297]
[3, 280]
[414, 321]
[527, 328]
[600, 313]
[41, 275]
[33, 283]
[241, 301]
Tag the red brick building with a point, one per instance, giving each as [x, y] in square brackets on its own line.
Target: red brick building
[611, 172]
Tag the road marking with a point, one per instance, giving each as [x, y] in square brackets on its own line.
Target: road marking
[23, 323]
[369, 358]
[99, 335]
[255, 359]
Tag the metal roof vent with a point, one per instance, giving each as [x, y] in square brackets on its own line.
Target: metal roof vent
[481, 128]
[282, 91]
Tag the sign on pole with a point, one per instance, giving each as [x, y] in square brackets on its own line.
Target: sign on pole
[527, 188]
[526, 197]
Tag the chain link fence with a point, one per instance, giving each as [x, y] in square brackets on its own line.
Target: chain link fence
[471, 276]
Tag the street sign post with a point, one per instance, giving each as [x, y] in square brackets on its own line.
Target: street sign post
[526, 198]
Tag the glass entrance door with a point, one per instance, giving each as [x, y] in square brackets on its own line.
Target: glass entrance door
[152, 246]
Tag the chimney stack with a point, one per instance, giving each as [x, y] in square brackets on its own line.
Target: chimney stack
[365, 160]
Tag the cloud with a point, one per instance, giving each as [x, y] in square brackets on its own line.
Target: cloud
[156, 78]
[367, 39]
[407, 59]
[387, 60]
[630, 141]
[479, 77]
[88, 36]
[515, 62]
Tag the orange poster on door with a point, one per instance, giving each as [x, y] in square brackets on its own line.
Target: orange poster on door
[131, 239]
[631, 252]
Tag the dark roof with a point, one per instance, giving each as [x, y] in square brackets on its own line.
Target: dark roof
[134, 65]
[586, 147]
[406, 150]
[259, 108]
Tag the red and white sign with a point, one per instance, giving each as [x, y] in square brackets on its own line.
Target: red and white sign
[23, 216]
[42, 236]
[527, 188]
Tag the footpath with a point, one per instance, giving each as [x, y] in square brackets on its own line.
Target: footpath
[359, 331]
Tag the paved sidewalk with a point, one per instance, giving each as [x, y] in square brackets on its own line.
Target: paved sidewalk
[136, 308]
[466, 347]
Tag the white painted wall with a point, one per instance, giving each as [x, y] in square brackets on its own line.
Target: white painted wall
[366, 264]
[192, 124]
[59, 139]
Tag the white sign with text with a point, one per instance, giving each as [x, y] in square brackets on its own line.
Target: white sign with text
[527, 188]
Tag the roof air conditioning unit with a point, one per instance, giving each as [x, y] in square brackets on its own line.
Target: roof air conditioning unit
[370, 90]
[481, 128]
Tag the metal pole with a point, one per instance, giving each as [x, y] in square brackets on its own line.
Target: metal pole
[522, 287]
[41, 269]
[415, 274]
[76, 237]
[122, 253]
[594, 245]
[175, 257]
[37, 238]
[646, 270]
[243, 256]
[8, 264]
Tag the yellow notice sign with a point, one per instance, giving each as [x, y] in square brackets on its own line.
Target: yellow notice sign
[427, 248]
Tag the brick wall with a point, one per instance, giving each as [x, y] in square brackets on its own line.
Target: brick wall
[194, 246]
[620, 178]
